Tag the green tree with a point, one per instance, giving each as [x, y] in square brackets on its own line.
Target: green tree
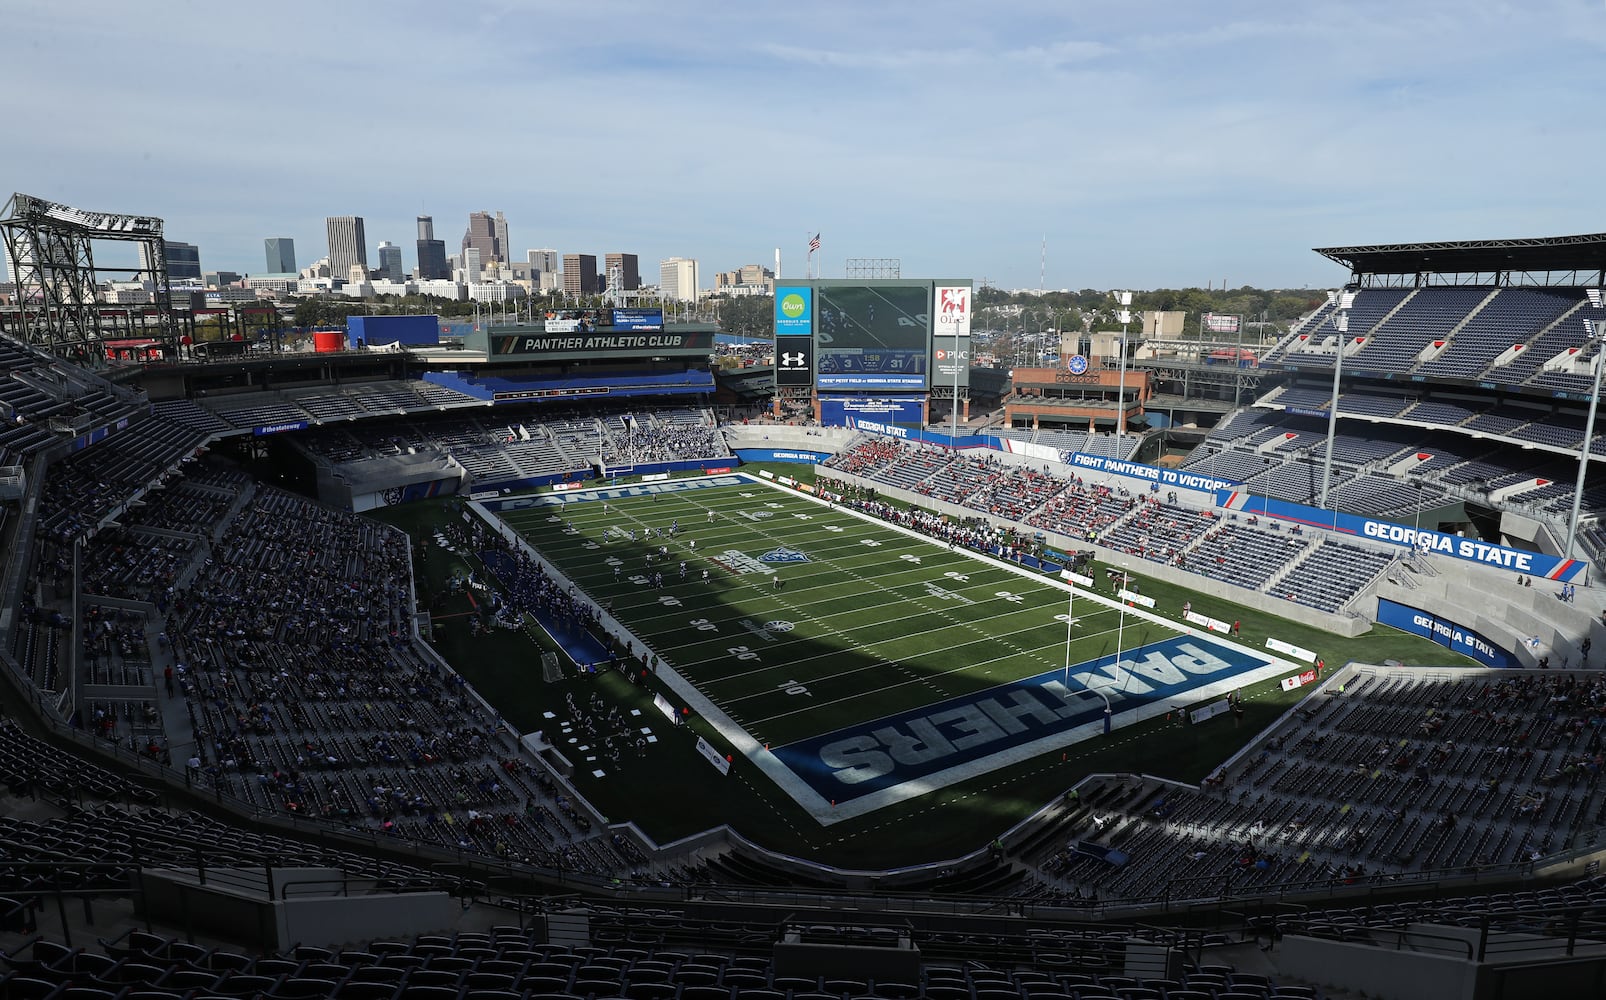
[747, 315]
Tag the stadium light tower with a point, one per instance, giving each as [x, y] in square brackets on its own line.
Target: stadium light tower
[1594, 330]
[1346, 299]
[1125, 316]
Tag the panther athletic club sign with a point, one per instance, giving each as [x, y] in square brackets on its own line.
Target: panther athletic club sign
[627, 342]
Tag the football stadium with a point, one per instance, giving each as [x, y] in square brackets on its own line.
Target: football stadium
[549, 659]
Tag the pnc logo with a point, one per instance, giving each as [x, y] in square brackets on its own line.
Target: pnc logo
[793, 306]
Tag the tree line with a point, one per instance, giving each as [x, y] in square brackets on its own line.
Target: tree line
[754, 315]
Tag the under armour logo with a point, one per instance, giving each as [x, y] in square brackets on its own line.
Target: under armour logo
[791, 361]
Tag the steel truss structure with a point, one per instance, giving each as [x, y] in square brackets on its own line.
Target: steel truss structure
[1558, 261]
[873, 267]
[51, 249]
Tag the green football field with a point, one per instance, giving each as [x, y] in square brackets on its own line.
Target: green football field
[795, 621]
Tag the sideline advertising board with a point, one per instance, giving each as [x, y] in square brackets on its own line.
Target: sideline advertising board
[1298, 680]
[1446, 633]
[1289, 649]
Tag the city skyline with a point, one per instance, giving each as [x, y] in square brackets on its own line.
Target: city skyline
[1163, 144]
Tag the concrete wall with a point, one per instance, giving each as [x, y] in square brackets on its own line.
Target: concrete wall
[1337, 624]
[1508, 614]
[1381, 973]
[337, 920]
[241, 905]
[787, 437]
[175, 899]
[1441, 962]
[1545, 980]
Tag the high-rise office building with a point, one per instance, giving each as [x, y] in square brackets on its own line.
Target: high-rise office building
[390, 262]
[348, 243]
[579, 274]
[473, 264]
[432, 265]
[281, 254]
[504, 248]
[678, 279]
[545, 261]
[482, 236]
[623, 271]
[183, 259]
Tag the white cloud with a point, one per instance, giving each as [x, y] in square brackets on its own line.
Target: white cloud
[1146, 138]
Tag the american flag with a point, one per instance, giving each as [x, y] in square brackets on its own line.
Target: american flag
[814, 244]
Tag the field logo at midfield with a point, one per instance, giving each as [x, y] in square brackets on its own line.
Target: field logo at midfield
[740, 562]
[783, 555]
[938, 744]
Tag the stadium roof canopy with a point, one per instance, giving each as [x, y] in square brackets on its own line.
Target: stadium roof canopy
[1546, 254]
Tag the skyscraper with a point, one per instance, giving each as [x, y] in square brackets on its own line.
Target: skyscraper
[183, 259]
[482, 236]
[623, 268]
[281, 254]
[579, 274]
[678, 279]
[473, 264]
[432, 264]
[504, 249]
[545, 261]
[390, 262]
[348, 243]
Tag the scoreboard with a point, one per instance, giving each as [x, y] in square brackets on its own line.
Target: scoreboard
[872, 345]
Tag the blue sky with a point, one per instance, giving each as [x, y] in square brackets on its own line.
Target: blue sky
[1152, 143]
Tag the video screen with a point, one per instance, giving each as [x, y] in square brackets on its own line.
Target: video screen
[872, 337]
